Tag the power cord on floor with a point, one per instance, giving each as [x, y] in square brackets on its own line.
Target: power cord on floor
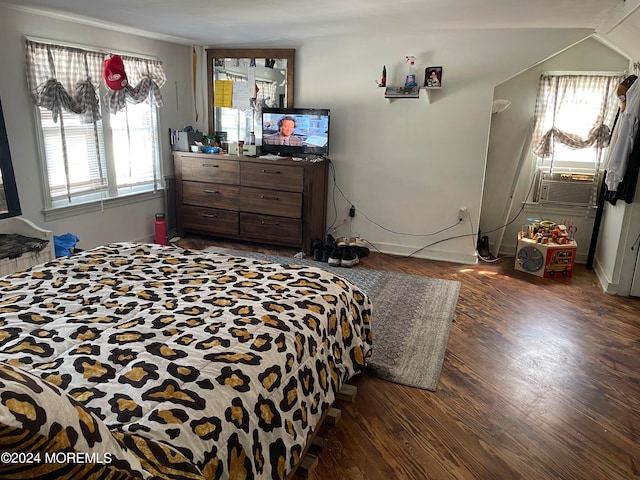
[475, 246]
[473, 235]
[361, 212]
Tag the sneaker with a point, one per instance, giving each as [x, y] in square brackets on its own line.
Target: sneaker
[331, 241]
[328, 248]
[326, 252]
[335, 259]
[361, 251]
[342, 242]
[349, 258]
[357, 242]
[317, 247]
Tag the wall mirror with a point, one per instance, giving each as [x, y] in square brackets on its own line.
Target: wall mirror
[240, 83]
[9, 201]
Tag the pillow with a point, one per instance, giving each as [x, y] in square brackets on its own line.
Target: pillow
[45, 431]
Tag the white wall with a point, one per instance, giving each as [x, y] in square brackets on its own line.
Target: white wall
[509, 130]
[126, 223]
[410, 164]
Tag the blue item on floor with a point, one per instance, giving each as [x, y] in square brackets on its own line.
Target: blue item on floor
[64, 244]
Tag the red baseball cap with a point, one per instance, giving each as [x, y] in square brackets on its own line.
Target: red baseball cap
[114, 75]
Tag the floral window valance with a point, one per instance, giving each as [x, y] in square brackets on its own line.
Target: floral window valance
[62, 78]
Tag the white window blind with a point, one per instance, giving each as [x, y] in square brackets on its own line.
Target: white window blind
[86, 172]
[135, 147]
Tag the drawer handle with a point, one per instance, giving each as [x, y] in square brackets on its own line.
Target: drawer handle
[211, 191]
[209, 215]
[264, 170]
[269, 197]
[212, 165]
[276, 224]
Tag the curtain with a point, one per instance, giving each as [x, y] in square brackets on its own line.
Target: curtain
[66, 78]
[266, 94]
[146, 77]
[574, 110]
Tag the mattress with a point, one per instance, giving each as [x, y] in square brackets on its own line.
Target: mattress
[147, 361]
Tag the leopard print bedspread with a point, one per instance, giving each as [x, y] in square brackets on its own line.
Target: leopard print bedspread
[201, 365]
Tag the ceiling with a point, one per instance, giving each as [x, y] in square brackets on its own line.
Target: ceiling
[291, 22]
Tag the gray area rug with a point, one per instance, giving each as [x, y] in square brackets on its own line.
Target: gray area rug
[411, 319]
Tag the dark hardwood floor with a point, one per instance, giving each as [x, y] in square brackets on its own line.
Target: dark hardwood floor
[541, 380]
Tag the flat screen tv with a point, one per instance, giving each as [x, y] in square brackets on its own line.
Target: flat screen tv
[295, 131]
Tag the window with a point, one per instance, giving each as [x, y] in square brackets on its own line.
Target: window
[574, 118]
[85, 172]
[98, 143]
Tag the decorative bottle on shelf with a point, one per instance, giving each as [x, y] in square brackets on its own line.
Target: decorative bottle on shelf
[410, 79]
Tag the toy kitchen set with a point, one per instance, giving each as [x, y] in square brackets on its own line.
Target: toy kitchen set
[546, 249]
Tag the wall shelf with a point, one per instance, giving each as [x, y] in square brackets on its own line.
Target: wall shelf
[393, 92]
[400, 93]
[429, 91]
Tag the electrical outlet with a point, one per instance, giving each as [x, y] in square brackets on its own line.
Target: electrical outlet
[462, 213]
[352, 211]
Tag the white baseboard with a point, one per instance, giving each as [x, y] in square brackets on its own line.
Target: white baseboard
[608, 286]
[429, 254]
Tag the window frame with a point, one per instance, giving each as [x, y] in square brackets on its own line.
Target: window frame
[556, 163]
[111, 194]
[563, 164]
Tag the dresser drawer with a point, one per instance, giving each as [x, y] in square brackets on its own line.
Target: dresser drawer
[210, 220]
[271, 202]
[210, 170]
[210, 195]
[268, 228]
[276, 177]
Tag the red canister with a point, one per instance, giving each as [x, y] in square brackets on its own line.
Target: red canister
[161, 229]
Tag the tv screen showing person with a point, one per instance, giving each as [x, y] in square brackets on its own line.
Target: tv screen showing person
[284, 135]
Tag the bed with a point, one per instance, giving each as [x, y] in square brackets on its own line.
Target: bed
[147, 361]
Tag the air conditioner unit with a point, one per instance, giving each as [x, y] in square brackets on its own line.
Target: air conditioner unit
[565, 188]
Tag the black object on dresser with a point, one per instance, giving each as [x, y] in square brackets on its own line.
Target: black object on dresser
[281, 202]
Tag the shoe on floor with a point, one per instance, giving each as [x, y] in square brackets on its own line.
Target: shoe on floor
[357, 242]
[317, 246]
[327, 249]
[342, 241]
[335, 259]
[349, 258]
[330, 241]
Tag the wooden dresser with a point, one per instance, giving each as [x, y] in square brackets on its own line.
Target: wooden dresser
[282, 202]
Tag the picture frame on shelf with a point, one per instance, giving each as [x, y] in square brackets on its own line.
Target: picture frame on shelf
[433, 77]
